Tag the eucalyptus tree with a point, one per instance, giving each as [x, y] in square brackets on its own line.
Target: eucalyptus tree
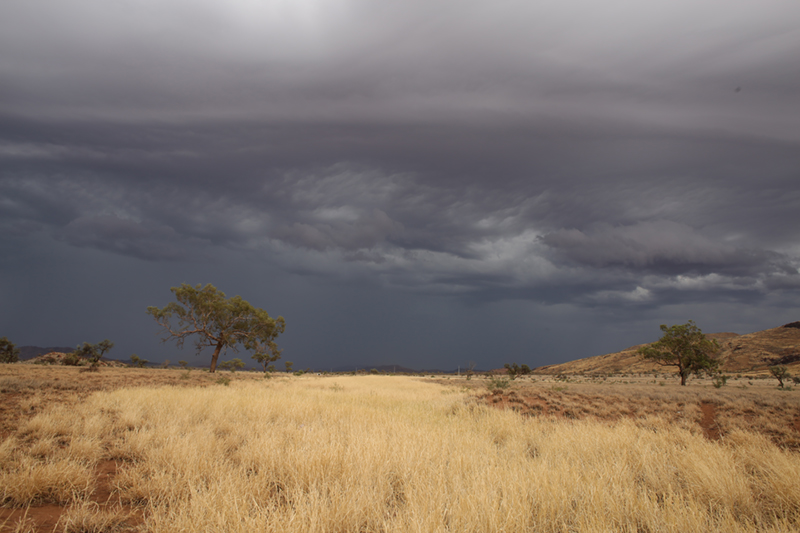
[218, 322]
[684, 347]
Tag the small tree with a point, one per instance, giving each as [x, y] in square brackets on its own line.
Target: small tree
[470, 369]
[9, 353]
[138, 361]
[264, 358]
[217, 322]
[780, 373]
[288, 365]
[184, 364]
[233, 365]
[685, 347]
[93, 352]
[515, 370]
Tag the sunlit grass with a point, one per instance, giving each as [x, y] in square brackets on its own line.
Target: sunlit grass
[380, 453]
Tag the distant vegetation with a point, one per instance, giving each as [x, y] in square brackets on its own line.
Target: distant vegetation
[8, 351]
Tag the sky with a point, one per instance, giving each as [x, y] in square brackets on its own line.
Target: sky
[413, 183]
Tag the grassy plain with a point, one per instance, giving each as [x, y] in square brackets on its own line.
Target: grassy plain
[166, 450]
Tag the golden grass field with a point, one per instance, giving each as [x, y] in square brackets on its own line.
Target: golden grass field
[165, 450]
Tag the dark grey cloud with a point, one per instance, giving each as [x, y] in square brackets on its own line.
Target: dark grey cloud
[661, 246]
[595, 158]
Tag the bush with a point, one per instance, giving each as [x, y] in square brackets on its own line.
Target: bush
[233, 365]
[514, 370]
[71, 359]
[138, 362]
[720, 381]
[780, 373]
[8, 351]
[497, 383]
[224, 380]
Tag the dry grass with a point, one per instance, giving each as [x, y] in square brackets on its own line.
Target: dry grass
[379, 453]
[751, 405]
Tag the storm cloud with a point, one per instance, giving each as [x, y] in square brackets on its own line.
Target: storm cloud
[617, 165]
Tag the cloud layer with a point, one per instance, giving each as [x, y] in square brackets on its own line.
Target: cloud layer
[597, 156]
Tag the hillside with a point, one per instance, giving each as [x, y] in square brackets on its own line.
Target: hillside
[29, 352]
[738, 353]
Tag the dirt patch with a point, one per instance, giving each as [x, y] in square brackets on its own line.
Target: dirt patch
[525, 405]
[105, 472]
[10, 412]
[708, 421]
[41, 518]
[45, 518]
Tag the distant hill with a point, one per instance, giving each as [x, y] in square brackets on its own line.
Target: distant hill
[29, 352]
[738, 353]
[392, 369]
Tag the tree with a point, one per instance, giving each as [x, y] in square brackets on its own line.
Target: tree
[93, 352]
[265, 358]
[138, 361]
[780, 373]
[289, 365]
[9, 353]
[515, 370]
[470, 369]
[233, 365]
[685, 347]
[217, 322]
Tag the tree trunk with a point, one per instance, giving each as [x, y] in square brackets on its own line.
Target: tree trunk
[683, 378]
[215, 357]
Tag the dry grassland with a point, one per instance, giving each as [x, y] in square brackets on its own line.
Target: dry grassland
[374, 453]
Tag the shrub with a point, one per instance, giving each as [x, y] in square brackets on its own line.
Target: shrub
[9, 353]
[71, 359]
[497, 383]
[780, 373]
[720, 381]
[233, 365]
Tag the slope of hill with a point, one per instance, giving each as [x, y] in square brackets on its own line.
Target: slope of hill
[29, 352]
[738, 353]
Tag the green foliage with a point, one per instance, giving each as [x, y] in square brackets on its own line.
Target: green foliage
[374, 371]
[720, 380]
[233, 365]
[91, 352]
[288, 365]
[219, 322]
[780, 373]
[514, 370]
[138, 362]
[497, 383]
[685, 347]
[224, 380]
[9, 353]
[184, 364]
[71, 359]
